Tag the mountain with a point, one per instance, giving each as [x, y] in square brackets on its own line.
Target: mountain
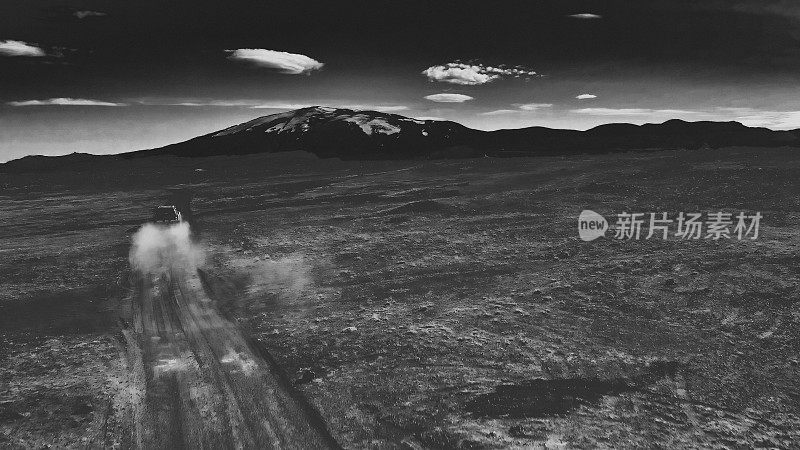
[347, 134]
[328, 132]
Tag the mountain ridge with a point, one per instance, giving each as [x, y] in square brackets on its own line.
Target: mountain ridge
[349, 134]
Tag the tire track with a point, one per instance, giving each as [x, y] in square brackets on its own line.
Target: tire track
[205, 385]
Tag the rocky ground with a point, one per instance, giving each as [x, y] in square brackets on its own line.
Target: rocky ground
[441, 304]
[64, 378]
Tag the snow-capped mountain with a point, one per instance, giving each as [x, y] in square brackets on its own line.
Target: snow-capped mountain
[347, 134]
[303, 120]
[328, 131]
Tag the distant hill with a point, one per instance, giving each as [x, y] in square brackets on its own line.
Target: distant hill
[672, 134]
[72, 161]
[347, 134]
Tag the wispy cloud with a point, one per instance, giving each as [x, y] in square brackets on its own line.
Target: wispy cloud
[762, 118]
[63, 101]
[586, 96]
[200, 103]
[283, 62]
[212, 103]
[19, 48]
[521, 109]
[85, 14]
[283, 105]
[500, 112]
[386, 108]
[751, 117]
[430, 118]
[448, 98]
[585, 16]
[355, 107]
[368, 107]
[473, 74]
[532, 106]
[630, 112]
[787, 8]
[266, 104]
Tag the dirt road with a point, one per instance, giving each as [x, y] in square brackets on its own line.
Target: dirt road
[204, 385]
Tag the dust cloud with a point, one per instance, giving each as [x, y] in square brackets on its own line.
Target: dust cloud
[287, 276]
[156, 248]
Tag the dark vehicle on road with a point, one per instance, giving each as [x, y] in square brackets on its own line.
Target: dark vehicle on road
[166, 214]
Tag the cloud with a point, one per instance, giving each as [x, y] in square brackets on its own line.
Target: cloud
[500, 112]
[448, 98]
[284, 62]
[282, 105]
[387, 108]
[430, 118]
[630, 111]
[752, 117]
[212, 103]
[586, 96]
[355, 107]
[262, 104]
[197, 103]
[62, 101]
[85, 14]
[787, 8]
[532, 106]
[473, 74]
[369, 107]
[467, 75]
[19, 48]
[521, 108]
[254, 104]
[585, 16]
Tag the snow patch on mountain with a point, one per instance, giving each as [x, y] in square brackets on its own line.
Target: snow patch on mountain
[417, 121]
[255, 123]
[371, 125]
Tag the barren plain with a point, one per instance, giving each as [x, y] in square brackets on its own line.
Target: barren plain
[415, 304]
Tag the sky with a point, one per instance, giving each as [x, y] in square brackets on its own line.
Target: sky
[108, 76]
